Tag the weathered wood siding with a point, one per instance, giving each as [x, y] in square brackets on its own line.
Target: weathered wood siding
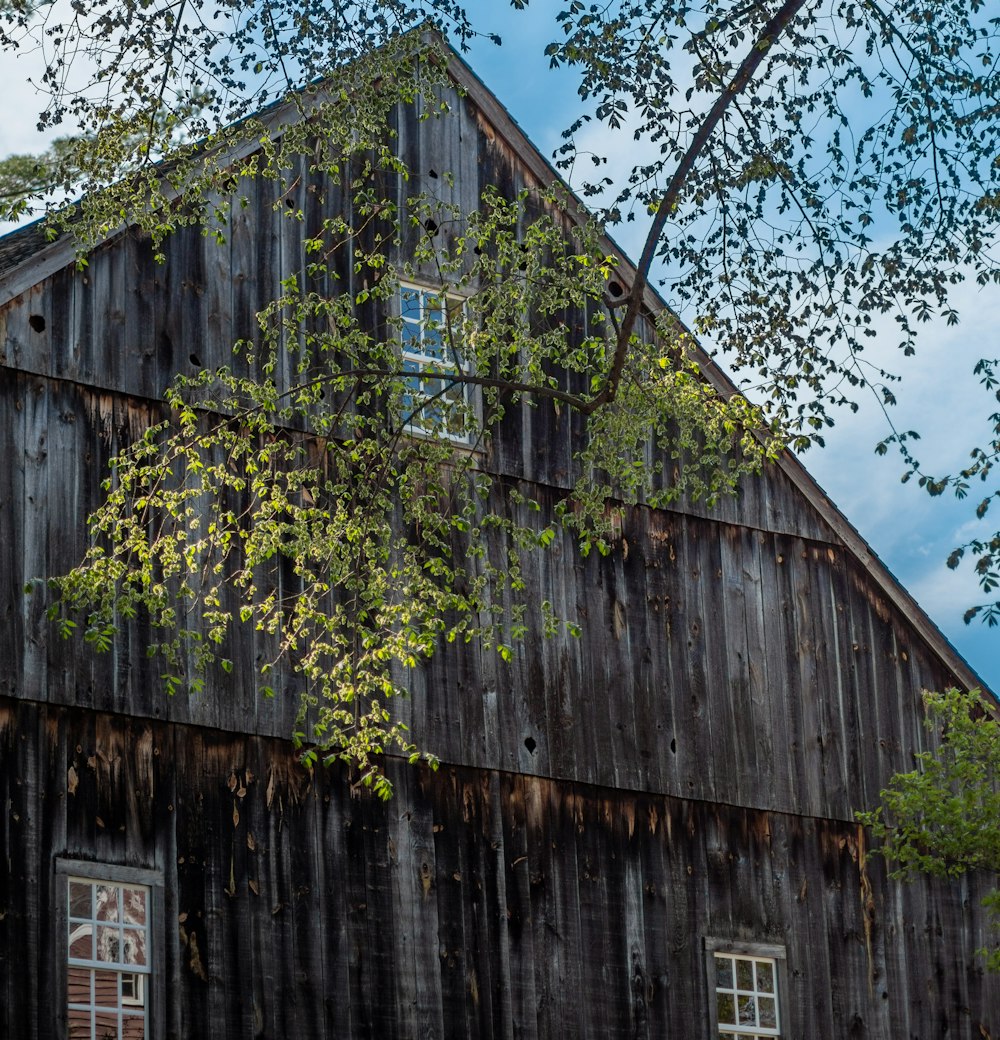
[717, 661]
[127, 324]
[475, 904]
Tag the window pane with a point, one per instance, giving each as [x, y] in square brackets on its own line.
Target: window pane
[133, 1027]
[724, 972]
[134, 905]
[768, 1011]
[433, 343]
[81, 942]
[744, 973]
[765, 976]
[747, 1013]
[410, 303]
[78, 985]
[106, 900]
[727, 1009]
[78, 1024]
[132, 989]
[108, 945]
[106, 989]
[106, 1025]
[134, 947]
[80, 899]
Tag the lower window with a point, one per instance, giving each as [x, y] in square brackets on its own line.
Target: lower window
[745, 990]
[107, 928]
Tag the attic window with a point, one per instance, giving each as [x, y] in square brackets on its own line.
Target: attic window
[110, 927]
[745, 982]
[434, 403]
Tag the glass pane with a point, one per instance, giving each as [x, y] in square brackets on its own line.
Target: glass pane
[106, 901]
[133, 1027]
[410, 304]
[132, 989]
[747, 1014]
[744, 973]
[765, 976]
[81, 942]
[724, 973]
[106, 989]
[108, 945]
[78, 1025]
[106, 1024]
[79, 899]
[727, 1009]
[78, 985]
[434, 345]
[134, 905]
[134, 947]
[768, 1011]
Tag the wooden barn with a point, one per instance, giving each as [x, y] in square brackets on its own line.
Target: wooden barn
[645, 832]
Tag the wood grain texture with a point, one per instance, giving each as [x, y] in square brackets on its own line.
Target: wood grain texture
[717, 661]
[476, 903]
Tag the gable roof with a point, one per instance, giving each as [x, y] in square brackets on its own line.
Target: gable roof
[27, 257]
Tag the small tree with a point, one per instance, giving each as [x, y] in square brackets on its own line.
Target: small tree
[943, 818]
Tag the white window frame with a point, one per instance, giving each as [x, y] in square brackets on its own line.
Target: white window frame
[412, 331]
[147, 979]
[717, 950]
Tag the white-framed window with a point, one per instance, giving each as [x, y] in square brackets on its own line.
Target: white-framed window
[746, 982]
[109, 921]
[434, 403]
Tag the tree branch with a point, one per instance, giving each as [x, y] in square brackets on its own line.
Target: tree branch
[774, 28]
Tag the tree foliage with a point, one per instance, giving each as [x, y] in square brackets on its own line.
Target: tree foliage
[943, 818]
[811, 172]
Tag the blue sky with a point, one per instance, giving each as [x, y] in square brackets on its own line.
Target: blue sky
[938, 395]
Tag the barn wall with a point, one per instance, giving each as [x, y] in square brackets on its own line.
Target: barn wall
[127, 324]
[476, 903]
[717, 661]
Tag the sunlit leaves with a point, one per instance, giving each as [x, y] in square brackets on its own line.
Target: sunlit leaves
[295, 508]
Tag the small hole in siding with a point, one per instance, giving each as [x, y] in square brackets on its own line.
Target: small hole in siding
[290, 203]
[195, 360]
[430, 227]
[432, 173]
[37, 322]
[673, 747]
[615, 289]
[529, 743]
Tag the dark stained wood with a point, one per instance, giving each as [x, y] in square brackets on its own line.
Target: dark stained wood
[583, 914]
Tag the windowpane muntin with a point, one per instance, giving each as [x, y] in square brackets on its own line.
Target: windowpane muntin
[107, 959]
[433, 404]
[746, 996]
